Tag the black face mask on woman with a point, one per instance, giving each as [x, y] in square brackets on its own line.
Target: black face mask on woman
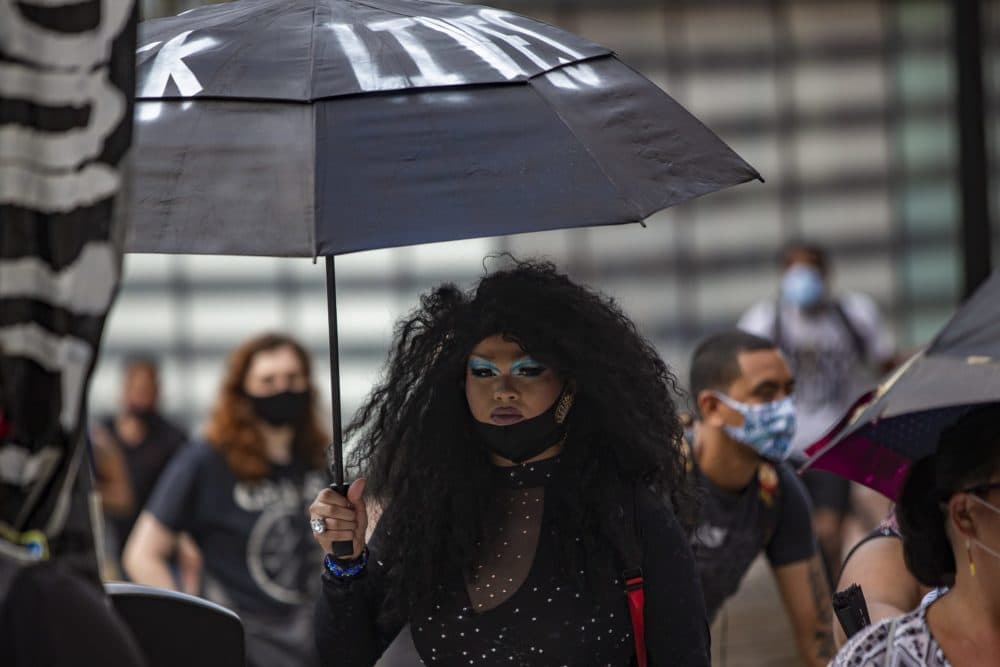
[528, 438]
[281, 409]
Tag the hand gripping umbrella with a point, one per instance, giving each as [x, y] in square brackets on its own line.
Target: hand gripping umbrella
[899, 423]
[319, 127]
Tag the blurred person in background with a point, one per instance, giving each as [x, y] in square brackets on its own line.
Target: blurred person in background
[515, 443]
[833, 342]
[949, 516]
[751, 500]
[242, 497]
[131, 449]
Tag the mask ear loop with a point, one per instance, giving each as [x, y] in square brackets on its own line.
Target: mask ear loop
[732, 403]
[968, 541]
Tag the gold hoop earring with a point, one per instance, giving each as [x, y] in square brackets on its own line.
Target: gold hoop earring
[562, 410]
[972, 563]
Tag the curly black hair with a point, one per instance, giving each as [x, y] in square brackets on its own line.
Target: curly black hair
[416, 443]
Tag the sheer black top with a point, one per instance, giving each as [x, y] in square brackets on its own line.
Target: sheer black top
[519, 606]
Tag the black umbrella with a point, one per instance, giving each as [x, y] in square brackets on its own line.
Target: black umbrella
[319, 127]
[901, 421]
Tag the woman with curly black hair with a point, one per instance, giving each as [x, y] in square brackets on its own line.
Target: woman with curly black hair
[521, 444]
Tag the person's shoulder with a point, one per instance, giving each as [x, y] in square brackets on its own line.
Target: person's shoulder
[191, 470]
[650, 508]
[759, 318]
[879, 548]
[858, 305]
[172, 430]
[868, 647]
[789, 483]
[792, 498]
[198, 454]
[646, 501]
[656, 520]
[785, 472]
[106, 420]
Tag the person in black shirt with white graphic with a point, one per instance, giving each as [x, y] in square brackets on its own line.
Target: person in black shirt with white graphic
[520, 446]
[242, 497]
[753, 502]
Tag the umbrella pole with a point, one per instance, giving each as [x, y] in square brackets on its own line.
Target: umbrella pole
[339, 549]
[331, 313]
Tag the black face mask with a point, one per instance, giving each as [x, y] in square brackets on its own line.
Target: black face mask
[527, 438]
[142, 414]
[281, 409]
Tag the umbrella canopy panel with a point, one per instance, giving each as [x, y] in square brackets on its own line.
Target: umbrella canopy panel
[879, 454]
[305, 50]
[936, 380]
[224, 179]
[974, 331]
[586, 144]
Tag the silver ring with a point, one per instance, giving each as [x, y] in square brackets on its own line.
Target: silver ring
[318, 525]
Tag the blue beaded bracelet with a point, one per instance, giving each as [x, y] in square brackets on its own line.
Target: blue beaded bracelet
[340, 571]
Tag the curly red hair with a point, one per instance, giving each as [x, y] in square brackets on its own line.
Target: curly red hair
[231, 428]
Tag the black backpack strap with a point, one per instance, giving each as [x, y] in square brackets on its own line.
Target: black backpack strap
[857, 340]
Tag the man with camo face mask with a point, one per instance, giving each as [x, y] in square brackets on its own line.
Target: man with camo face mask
[752, 501]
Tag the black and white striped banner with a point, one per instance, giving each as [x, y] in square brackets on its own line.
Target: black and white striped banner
[66, 100]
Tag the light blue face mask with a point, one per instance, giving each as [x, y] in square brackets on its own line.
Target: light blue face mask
[802, 286]
[768, 428]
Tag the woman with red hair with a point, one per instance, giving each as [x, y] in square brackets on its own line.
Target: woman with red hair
[241, 496]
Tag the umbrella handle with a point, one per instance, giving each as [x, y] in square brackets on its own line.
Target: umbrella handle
[339, 549]
[346, 548]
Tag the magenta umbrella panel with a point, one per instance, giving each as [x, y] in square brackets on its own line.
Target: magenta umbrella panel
[900, 422]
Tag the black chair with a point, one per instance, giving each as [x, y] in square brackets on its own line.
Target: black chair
[178, 630]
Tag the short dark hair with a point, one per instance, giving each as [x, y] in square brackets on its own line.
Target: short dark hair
[819, 255]
[968, 454]
[134, 362]
[715, 363]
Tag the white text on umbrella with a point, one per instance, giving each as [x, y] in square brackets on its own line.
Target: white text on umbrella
[479, 34]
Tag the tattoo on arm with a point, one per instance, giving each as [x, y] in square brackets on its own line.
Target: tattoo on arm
[825, 647]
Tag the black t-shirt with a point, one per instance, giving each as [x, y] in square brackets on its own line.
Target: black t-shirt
[254, 537]
[145, 463]
[772, 513]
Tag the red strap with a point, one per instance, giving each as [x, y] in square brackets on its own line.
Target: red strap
[636, 602]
